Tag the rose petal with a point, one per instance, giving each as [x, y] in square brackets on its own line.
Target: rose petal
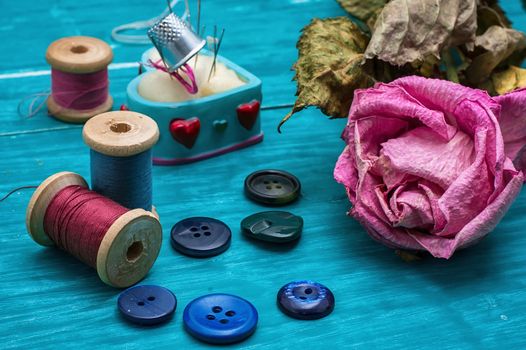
[391, 101]
[422, 153]
[512, 122]
[469, 194]
[477, 228]
[346, 173]
[383, 232]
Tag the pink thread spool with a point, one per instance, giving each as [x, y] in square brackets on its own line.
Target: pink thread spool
[79, 78]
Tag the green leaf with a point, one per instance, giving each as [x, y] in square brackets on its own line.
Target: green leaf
[362, 9]
[494, 47]
[409, 31]
[330, 66]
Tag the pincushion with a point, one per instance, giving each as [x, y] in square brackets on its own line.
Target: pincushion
[209, 124]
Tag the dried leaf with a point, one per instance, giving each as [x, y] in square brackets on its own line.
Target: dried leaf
[498, 44]
[491, 14]
[330, 66]
[362, 9]
[408, 31]
[511, 79]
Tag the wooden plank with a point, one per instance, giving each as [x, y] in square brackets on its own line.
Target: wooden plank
[49, 300]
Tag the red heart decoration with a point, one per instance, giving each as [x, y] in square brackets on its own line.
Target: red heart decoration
[185, 131]
[247, 114]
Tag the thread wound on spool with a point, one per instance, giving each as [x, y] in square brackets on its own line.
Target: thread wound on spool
[75, 222]
[122, 245]
[79, 91]
[79, 78]
[121, 157]
[126, 180]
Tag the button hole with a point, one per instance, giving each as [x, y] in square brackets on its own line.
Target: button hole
[266, 182]
[194, 229]
[303, 298]
[210, 317]
[223, 321]
[207, 233]
[204, 228]
[308, 291]
[269, 187]
[151, 298]
[196, 235]
[217, 309]
[140, 303]
[230, 313]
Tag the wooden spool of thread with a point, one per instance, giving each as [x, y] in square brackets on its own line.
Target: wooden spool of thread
[128, 247]
[121, 157]
[79, 78]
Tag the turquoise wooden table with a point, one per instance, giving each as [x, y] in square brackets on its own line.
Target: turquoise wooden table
[49, 300]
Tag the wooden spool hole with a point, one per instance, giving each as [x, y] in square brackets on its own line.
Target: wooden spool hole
[120, 127]
[134, 251]
[78, 49]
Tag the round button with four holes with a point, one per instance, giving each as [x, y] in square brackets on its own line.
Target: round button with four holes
[272, 187]
[147, 305]
[220, 318]
[201, 237]
[305, 300]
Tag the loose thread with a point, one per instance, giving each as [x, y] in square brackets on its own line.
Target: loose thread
[77, 219]
[116, 33]
[34, 98]
[16, 190]
[191, 86]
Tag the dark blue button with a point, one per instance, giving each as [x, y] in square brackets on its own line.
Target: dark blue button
[220, 318]
[201, 237]
[147, 305]
[305, 300]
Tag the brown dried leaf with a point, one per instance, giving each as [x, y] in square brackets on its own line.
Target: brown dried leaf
[491, 15]
[408, 31]
[511, 79]
[330, 66]
[362, 9]
[498, 44]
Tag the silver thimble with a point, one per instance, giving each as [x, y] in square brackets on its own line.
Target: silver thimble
[175, 41]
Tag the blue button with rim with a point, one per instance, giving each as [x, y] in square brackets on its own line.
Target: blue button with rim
[147, 305]
[201, 237]
[220, 318]
[305, 300]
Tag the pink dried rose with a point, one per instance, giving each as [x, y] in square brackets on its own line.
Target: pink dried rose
[432, 165]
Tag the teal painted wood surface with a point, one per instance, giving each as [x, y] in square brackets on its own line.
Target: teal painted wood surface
[49, 300]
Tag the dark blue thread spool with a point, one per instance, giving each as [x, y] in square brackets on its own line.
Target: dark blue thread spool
[121, 157]
[126, 180]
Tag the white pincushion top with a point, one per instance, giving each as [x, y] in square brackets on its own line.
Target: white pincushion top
[160, 87]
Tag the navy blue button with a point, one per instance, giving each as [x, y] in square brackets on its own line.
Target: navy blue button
[220, 318]
[201, 237]
[147, 305]
[305, 300]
